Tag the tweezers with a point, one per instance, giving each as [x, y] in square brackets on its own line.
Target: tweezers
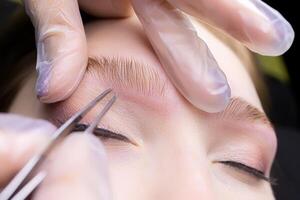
[19, 188]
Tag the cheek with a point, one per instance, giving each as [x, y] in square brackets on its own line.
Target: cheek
[228, 190]
[130, 174]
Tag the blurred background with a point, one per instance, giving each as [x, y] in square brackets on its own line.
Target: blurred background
[280, 74]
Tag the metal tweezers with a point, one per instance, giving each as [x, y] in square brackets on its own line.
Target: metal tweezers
[20, 187]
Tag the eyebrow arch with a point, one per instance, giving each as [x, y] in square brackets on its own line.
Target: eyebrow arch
[240, 110]
[125, 73]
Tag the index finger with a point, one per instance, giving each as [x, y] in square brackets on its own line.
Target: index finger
[185, 57]
[260, 27]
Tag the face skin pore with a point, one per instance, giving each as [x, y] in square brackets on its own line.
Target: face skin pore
[173, 150]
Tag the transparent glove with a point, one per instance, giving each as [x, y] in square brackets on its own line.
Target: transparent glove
[61, 42]
[185, 56]
[75, 169]
[187, 60]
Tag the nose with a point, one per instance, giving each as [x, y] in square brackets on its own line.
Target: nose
[184, 174]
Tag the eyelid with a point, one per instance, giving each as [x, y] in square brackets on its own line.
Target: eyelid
[102, 132]
[242, 143]
[249, 170]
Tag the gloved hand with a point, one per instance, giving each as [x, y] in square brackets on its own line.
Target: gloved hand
[185, 57]
[83, 176]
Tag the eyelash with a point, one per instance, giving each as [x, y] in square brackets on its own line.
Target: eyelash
[249, 170]
[105, 133]
[236, 165]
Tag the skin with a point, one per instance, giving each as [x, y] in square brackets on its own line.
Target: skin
[176, 146]
[62, 48]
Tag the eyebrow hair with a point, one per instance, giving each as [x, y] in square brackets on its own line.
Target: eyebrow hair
[128, 73]
[240, 110]
[124, 72]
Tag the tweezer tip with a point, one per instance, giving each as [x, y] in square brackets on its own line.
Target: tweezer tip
[94, 124]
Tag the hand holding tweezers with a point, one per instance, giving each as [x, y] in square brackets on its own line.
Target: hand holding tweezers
[17, 188]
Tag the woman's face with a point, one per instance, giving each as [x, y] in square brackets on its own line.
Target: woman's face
[159, 146]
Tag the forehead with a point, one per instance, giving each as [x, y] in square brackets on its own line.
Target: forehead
[126, 38]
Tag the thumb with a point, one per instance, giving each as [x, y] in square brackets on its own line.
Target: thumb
[76, 169]
[20, 138]
[61, 47]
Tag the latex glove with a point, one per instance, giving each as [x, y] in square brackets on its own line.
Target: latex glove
[61, 42]
[75, 169]
[185, 56]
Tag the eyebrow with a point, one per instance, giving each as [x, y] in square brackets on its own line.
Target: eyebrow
[127, 73]
[240, 110]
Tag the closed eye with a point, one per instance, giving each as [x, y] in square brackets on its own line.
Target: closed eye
[249, 170]
[104, 133]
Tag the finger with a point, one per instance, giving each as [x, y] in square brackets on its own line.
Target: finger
[184, 56]
[76, 170]
[30, 186]
[61, 47]
[106, 8]
[261, 28]
[20, 138]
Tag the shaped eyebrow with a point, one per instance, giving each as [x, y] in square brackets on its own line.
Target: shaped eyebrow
[240, 110]
[127, 73]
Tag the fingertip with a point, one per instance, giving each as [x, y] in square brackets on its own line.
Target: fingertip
[279, 41]
[270, 38]
[217, 88]
[267, 31]
[214, 103]
[58, 82]
[252, 22]
[198, 77]
[285, 37]
[212, 95]
[61, 47]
